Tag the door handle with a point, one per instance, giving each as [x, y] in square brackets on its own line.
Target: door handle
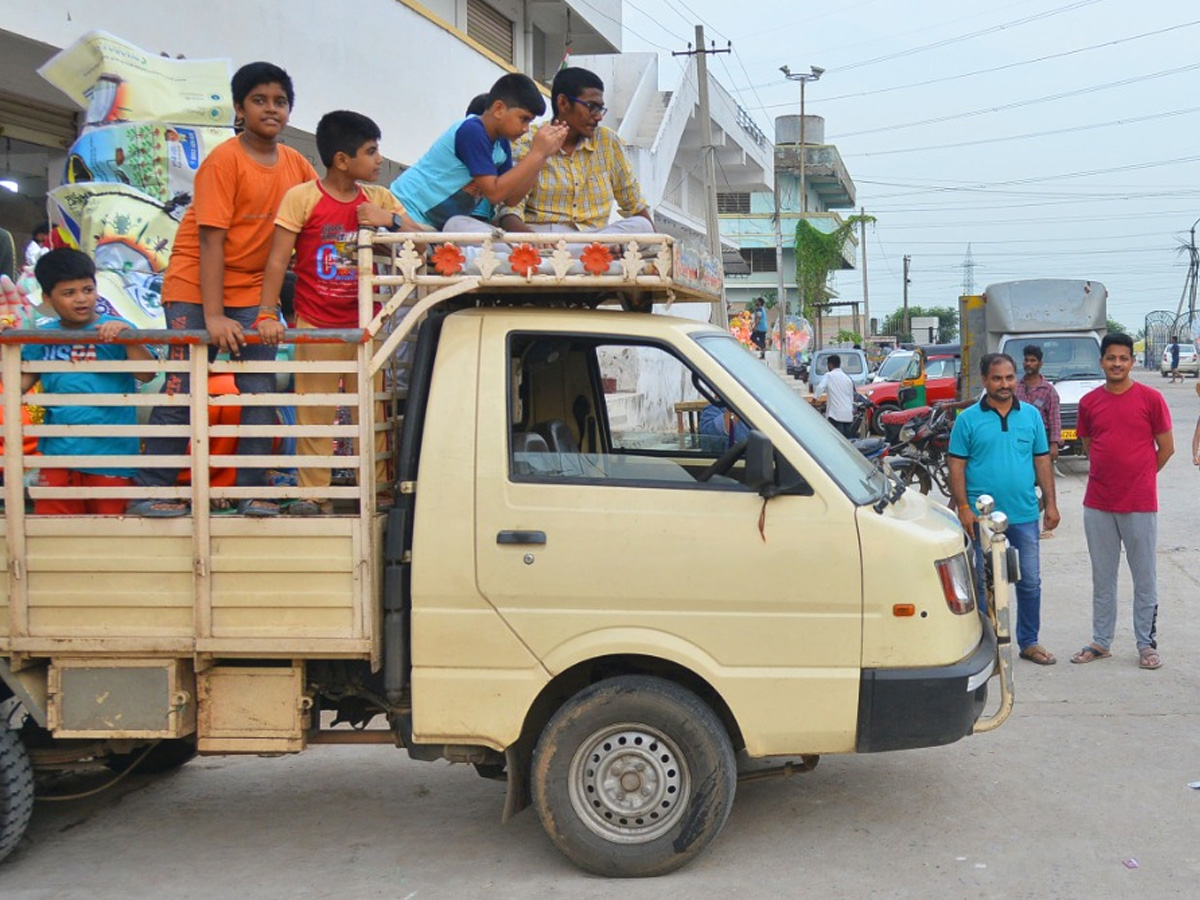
[521, 537]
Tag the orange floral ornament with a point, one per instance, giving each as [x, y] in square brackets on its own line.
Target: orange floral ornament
[448, 259]
[596, 259]
[525, 259]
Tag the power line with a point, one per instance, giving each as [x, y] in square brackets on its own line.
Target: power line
[1013, 65]
[1018, 104]
[1029, 134]
[991, 29]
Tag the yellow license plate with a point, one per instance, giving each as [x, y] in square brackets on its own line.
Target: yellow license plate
[1068, 434]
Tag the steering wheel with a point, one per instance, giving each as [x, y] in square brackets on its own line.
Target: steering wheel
[724, 462]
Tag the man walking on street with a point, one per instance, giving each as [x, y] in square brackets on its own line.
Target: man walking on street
[1175, 376]
[1126, 431]
[997, 447]
[758, 333]
[839, 396]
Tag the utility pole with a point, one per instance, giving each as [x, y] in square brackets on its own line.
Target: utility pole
[866, 332]
[712, 222]
[814, 73]
[907, 323]
[1189, 281]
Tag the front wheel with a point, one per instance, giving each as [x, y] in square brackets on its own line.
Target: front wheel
[16, 789]
[633, 777]
[911, 473]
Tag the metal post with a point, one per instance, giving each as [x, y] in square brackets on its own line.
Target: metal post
[907, 324]
[712, 222]
[862, 211]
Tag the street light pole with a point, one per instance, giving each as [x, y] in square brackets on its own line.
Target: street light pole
[804, 78]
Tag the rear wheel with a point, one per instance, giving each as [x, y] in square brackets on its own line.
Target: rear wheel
[16, 789]
[633, 777]
[877, 416]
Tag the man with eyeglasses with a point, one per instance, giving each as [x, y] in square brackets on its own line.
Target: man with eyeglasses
[577, 186]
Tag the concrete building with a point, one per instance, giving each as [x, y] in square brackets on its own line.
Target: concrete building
[748, 217]
[411, 66]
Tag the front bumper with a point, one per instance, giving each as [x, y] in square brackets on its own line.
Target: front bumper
[901, 709]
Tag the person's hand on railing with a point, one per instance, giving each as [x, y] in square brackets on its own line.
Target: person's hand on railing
[270, 331]
[109, 330]
[226, 333]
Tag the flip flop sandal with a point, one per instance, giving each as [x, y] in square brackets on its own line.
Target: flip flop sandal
[258, 508]
[1039, 655]
[1148, 658]
[1090, 654]
[157, 509]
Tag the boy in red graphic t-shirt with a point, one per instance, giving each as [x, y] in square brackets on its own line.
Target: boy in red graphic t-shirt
[319, 220]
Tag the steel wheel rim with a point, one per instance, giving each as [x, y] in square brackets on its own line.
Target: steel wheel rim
[629, 783]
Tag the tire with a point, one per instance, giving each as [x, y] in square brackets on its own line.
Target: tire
[16, 790]
[912, 474]
[877, 415]
[167, 756]
[640, 736]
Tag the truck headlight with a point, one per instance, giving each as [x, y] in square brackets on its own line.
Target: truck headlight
[955, 575]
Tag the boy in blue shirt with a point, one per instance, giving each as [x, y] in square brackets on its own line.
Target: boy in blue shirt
[68, 281]
[473, 159]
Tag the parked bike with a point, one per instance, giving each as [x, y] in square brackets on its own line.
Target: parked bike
[919, 440]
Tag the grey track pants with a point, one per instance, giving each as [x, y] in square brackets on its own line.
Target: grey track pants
[1106, 533]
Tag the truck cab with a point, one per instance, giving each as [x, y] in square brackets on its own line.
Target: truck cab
[576, 590]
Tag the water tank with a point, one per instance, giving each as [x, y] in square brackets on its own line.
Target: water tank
[787, 129]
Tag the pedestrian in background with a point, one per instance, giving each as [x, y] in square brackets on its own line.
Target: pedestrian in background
[1175, 374]
[839, 396]
[758, 334]
[1035, 390]
[1126, 431]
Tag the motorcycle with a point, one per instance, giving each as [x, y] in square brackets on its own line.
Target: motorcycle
[920, 439]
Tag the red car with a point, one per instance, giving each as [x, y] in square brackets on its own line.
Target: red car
[941, 382]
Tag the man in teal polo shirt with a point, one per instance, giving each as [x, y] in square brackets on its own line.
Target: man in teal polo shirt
[998, 447]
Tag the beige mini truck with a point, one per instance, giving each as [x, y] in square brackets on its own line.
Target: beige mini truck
[623, 565]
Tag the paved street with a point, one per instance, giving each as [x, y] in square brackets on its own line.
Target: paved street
[1091, 771]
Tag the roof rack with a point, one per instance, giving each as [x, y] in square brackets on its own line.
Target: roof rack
[424, 270]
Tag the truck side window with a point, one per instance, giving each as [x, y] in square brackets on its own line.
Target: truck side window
[603, 411]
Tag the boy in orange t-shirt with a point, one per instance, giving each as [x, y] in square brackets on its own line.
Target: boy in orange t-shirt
[214, 277]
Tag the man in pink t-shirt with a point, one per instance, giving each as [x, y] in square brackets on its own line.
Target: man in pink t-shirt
[1126, 431]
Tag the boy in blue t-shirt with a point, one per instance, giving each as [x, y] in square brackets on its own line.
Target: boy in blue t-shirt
[473, 159]
[68, 281]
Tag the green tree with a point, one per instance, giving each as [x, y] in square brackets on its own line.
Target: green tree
[947, 317]
[1114, 326]
[846, 336]
[817, 255]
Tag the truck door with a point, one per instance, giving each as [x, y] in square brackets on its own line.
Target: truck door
[600, 534]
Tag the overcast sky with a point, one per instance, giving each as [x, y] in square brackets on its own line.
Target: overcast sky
[1058, 138]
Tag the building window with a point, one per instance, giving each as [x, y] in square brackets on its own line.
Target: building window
[761, 259]
[733, 204]
[490, 28]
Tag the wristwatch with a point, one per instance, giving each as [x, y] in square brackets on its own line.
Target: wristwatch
[397, 222]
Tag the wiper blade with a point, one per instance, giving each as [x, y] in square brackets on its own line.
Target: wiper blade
[1089, 375]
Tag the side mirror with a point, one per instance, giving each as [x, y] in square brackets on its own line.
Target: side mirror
[760, 463]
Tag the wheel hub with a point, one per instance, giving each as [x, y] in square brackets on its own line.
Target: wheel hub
[628, 783]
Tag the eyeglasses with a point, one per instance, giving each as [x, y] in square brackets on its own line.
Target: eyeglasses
[596, 109]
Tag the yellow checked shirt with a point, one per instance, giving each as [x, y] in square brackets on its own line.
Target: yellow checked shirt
[580, 188]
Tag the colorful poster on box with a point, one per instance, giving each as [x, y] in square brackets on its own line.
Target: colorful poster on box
[160, 160]
[129, 235]
[116, 81]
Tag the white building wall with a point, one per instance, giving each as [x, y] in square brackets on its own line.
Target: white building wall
[409, 74]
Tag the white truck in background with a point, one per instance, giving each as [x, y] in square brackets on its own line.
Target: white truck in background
[1065, 317]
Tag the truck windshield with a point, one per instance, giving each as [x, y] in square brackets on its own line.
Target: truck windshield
[832, 452]
[1064, 357]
